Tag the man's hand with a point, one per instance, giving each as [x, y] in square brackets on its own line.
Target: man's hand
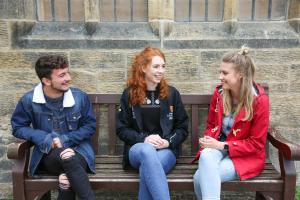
[56, 143]
[157, 141]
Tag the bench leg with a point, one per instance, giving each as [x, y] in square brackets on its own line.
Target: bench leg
[288, 173]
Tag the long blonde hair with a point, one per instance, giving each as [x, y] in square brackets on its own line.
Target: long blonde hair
[243, 64]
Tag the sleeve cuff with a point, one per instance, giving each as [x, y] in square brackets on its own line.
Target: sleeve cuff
[46, 145]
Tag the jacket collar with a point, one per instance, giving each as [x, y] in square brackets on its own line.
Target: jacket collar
[38, 96]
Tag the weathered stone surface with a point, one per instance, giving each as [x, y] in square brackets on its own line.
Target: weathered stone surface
[194, 87]
[2, 150]
[216, 35]
[22, 59]
[6, 164]
[93, 61]
[161, 9]
[17, 79]
[5, 176]
[86, 81]
[117, 87]
[74, 35]
[185, 67]
[91, 10]
[7, 103]
[285, 110]
[294, 77]
[4, 43]
[272, 73]
[277, 88]
[277, 56]
[6, 191]
[112, 75]
[9, 9]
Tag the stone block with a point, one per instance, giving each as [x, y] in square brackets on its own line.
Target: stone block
[272, 73]
[7, 103]
[185, 67]
[22, 59]
[6, 164]
[4, 43]
[84, 80]
[277, 56]
[17, 79]
[295, 71]
[5, 176]
[9, 9]
[194, 87]
[276, 88]
[285, 110]
[93, 61]
[116, 87]
[6, 191]
[2, 151]
[161, 9]
[112, 75]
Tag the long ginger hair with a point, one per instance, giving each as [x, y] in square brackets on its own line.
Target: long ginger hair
[242, 63]
[136, 81]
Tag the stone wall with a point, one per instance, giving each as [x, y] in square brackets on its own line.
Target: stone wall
[100, 54]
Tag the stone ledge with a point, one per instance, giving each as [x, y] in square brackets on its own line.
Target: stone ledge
[72, 35]
[215, 35]
[93, 35]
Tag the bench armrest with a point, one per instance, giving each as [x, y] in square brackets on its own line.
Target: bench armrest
[290, 150]
[18, 150]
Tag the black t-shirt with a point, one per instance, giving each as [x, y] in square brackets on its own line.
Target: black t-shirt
[150, 112]
[56, 105]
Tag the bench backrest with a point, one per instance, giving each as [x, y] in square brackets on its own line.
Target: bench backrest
[106, 142]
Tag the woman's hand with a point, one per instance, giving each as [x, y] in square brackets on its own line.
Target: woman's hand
[157, 141]
[209, 142]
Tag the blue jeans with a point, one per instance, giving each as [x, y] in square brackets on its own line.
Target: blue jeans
[153, 166]
[214, 168]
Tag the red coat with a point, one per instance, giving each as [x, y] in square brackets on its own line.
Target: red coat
[246, 139]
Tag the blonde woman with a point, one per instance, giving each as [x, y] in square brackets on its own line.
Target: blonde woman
[233, 146]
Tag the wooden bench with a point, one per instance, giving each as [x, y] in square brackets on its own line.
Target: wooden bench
[111, 176]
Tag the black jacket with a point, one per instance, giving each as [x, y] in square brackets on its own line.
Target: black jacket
[173, 121]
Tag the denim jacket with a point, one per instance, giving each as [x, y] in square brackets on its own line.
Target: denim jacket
[32, 121]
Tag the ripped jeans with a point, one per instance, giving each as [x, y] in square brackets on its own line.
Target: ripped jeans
[75, 169]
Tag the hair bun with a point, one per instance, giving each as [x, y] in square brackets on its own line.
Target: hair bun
[244, 50]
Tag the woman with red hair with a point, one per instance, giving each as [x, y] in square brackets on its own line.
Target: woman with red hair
[152, 122]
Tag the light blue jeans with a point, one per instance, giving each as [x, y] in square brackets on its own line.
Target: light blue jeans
[153, 166]
[214, 167]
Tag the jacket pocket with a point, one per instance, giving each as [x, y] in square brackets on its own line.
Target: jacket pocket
[73, 121]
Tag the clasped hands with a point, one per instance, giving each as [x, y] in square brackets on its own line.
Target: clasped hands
[209, 142]
[157, 141]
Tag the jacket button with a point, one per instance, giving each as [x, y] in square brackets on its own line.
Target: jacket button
[234, 143]
[214, 129]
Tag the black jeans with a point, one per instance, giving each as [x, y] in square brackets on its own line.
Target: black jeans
[75, 169]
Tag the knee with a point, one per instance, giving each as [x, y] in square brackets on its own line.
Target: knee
[67, 154]
[207, 157]
[147, 150]
[63, 181]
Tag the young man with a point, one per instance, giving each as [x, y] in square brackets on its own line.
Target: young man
[59, 121]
